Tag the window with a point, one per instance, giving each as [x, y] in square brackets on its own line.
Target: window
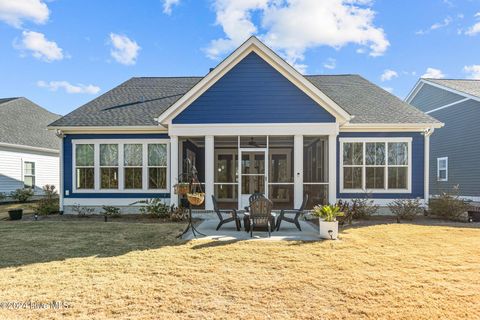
[131, 165]
[157, 166]
[442, 169]
[109, 166]
[375, 165]
[133, 162]
[29, 175]
[85, 166]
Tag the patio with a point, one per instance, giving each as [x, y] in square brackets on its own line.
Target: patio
[228, 231]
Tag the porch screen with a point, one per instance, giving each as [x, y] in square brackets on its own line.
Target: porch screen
[280, 175]
[225, 178]
[315, 170]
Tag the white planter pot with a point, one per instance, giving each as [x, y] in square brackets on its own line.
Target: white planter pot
[325, 227]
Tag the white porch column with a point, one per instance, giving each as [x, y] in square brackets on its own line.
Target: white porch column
[209, 171]
[61, 186]
[332, 168]
[298, 170]
[426, 168]
[173, 169]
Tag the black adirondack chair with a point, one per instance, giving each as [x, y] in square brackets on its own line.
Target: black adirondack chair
[297, 212]
[220, 213]
[260, 215]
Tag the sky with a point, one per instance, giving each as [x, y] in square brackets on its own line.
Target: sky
[63, 53]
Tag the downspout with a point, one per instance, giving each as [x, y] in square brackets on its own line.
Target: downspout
[426, 190]
[61, 192]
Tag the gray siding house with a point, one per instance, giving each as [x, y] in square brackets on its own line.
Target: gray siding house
[454, 149]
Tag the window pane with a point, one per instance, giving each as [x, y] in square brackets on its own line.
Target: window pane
[28, 182]
[227, 196]
[442, 174]
[226, 167]
[253, 163]
[280, 168]
[109, 178]
[133, 178]
[253, 184]
[109, 155]
[29, 168]
[133, 155]
[157, 178]
[281, 196]
[442, 164]
[84, 155]
[157, 155]
[353, 153]
[352, 178]
[375, 153]
[397, 178]
[397, 153]
[317, 194]
[375, 178]
[85, 178]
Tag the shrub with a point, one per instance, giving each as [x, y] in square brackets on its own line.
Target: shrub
[328, 213]
[363, 208]
[22, 195]
[2, 196]
[82, 211]
[405, 208]
[49, 203]
[154, 208]
[448, 205]
[111, 211]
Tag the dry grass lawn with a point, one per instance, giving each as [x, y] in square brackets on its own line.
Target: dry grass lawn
[130, 271]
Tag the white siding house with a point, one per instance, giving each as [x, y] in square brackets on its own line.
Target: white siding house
[29, 154]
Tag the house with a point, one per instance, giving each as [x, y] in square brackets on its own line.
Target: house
[29, 153]
[252, 124]
[454, 150]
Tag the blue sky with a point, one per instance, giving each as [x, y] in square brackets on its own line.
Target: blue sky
[61, 54]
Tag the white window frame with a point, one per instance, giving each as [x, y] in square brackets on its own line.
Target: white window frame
[121, 143]
[157, 167]
[116, 167]
[407, 140]
[34, 175]
[446, 168]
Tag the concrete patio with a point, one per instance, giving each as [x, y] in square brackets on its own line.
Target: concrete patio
[228, 231]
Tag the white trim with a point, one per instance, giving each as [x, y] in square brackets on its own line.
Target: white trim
[332, 168]
[61, 192]
[426, 168]
[254, 45]
[385, 140]
[447, 105]
[461, 93]
[388, 127]
[446, 168]
[110, 129]
[249, 129]
[173, 169]
[34, 175]
[209, 171]
[109, 201]
[121, 143]
[19, 146]
[298, 170]
[414, 91]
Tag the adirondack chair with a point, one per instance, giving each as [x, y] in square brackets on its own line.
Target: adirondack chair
[297, 212]
[220, 213]
[261, 215]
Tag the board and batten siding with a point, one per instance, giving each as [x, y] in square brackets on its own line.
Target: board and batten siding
[430, 98]
[253, 92]
[418, 158]
[11, 169]
[459, 140]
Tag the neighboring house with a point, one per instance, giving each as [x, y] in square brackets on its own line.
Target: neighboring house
[454, 150]
[29, 153]
[252, 124]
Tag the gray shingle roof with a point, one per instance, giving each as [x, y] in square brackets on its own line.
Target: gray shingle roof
[138, 101]
[468, 86]
[25, 123]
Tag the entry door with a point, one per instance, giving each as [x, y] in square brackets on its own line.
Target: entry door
[253, 174]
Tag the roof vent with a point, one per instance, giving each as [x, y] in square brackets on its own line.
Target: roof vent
[210, 69]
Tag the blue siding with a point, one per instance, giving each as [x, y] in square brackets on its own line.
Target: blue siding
[67, 164]
[417, 164]
[253, 92]
[430, 97]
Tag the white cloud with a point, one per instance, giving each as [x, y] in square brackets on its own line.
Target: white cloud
[39, 46]
[475, 29]
[388, 75]
[125, 50]
[330, 64]
[68, 87]
[435, 26]
[168, 4]
[473, 71]
[389, 89]
[14, 12]
[293, 26]
[433, 73]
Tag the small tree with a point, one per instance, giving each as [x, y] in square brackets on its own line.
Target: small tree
[449, 205]
[49, 203]
[111, 211]
[22, 195]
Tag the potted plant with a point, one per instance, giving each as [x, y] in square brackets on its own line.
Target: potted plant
[327, 218]
[15, 214]
[196, 198]
[182, 188]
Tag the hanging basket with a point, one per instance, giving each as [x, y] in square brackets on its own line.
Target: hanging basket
[182, 188]
[196, 199]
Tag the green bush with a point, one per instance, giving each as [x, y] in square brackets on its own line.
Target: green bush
[154, 208]
[82, 211]
[48, 204]
[111, 211]
[2, 196]
[405, 208]
[22, 195]
[328, 213]
[448, 205]
[363, 208]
